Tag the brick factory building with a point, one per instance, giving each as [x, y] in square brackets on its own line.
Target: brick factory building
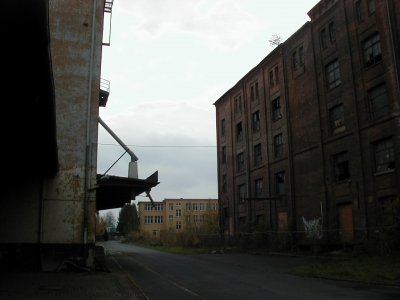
[312, 132]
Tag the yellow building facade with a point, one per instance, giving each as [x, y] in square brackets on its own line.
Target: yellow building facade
[178, 215]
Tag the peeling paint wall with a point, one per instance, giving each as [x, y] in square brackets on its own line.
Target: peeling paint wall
[49, 210]
[76, 42]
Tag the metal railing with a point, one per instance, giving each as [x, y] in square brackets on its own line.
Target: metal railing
[105, 85]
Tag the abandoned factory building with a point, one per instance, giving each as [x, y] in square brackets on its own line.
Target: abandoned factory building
[312, 131]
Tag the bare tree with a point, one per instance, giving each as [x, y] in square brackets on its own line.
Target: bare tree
[275, 40]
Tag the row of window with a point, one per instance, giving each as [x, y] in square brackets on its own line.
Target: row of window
[372, 54]
[239, 104]
[278, 151]
[383, 155]
[258, 188]
[378, 106]
[189, 206]
[194, 206]
[384, 162]
[360, 8]
[153, 219]
[155, 207]
[256, 120]
[191, 218]
[197, 218]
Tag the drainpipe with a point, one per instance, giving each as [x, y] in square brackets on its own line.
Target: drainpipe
[88, 137]
[133, 170]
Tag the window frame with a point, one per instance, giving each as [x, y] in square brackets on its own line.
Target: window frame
[371, 49]
[239, 132]
[371, 7]
[336, 119]
[241, 192]
[385, 149]
[258, 187]
[332, 74]
[278, 145]
[332, 32]
[240, 164]
[279, 183]
[223, 127]
[257, 150]
[238, 104]
[256, 122]
[276, 109]
[359, 12]
[341, 166]
[323, 36]
[298, 57]
[254, 92]
[378, 101]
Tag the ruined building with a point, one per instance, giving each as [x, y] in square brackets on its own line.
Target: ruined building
[312, 133]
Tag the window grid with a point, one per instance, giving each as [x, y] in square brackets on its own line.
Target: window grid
[254, 92]
[372, 50]
[256, 121]
[276, 109]
[238, 105]
[384, 155]
[257, 155]
[178, 225]
[333, 74]
[239, 132]
[336, 115]
[258, 188]
[298, 57]
[378, 103]
[278, 145]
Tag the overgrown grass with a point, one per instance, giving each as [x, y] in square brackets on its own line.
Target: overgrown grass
[367, 270]
[182, 250]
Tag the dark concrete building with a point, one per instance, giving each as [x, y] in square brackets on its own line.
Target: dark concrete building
[312, 133]
[51, 190]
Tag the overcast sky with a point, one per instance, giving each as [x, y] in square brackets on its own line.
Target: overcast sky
[168, 62]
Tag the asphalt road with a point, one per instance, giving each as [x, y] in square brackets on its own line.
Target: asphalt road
[167, 276]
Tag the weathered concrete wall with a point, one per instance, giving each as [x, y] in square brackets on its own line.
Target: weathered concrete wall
[69, 199]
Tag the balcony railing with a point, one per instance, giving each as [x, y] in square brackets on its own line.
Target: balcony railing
[108, 4]
[104, 91]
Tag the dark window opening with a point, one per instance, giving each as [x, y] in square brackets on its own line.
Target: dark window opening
[378, 102]
[276, 109]
[341, 166]
[239, 132]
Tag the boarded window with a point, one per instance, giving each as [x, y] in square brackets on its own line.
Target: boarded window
[282, 221]
[346, 228]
